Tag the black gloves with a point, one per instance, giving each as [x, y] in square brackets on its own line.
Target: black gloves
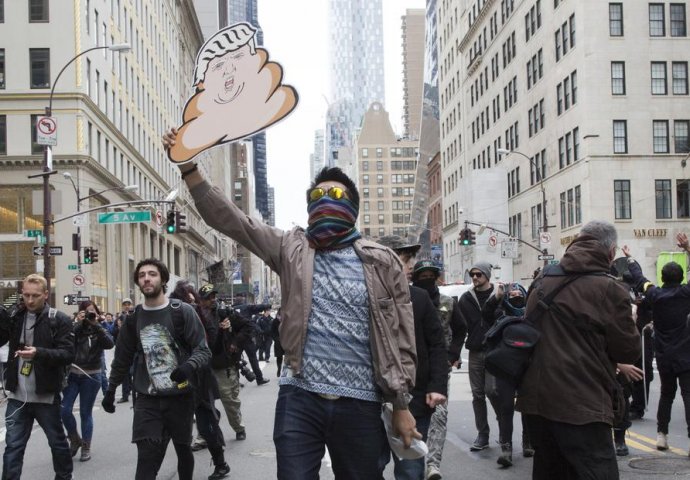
[182, 373]
[108, 402]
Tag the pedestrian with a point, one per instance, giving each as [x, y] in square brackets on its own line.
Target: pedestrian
[345, 308]
[425, 275]
[471, 304]
[41, 348]
[670, 305]
[431, 380]
[206, 390]
[277, 347]
[264, 323]
[127, 309]
[567, 392]
[165, 343]
[84, 380]
[251, 347]
[509, 301]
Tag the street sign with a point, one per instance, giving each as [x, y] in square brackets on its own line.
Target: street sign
[553, 262]
[72, 299]
[545, 240]
[509, 249]
[33, 233]
[547, 257]
[78, 299]
[46, 131]
[80, 220]
[125, 217]
[79, 280]
[72, 267]
[54, 250]
[493, 240]
[159, 218]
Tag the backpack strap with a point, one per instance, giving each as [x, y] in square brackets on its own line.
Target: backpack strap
[179, 324]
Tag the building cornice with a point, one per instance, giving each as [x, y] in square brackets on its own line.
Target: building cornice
[475, 25]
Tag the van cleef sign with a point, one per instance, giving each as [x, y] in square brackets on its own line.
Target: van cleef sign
[4, 283]
[650, 232]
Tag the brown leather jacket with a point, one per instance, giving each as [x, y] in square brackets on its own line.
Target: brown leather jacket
[288, 253]
[566, 381]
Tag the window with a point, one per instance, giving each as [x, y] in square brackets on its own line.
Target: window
[616, 19]
[680, 136]
[620, 136]
[39, 60]
[657, 20]
[365, 153]
[660, 134]
[365, 179]
[35, 147]
[618, 78]
[683, 198]
[2, 68]
[3, 134]
[578, 205]
[678, 28]
[533, 20]
[38, 10]
[662, 194]
[536, 221]
[680, 78]
[379, 152]
[659, 78]
[621, 191]
[2, 11]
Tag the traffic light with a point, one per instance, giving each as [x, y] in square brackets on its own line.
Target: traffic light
[94, 255]
[472, 237]
[180, 222]
[464, 237]
[170, 224]
[87, 256]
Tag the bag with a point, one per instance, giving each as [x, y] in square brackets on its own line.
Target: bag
[509, 347]
[54, 327]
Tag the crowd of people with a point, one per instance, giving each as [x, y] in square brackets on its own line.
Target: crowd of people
[362, 323]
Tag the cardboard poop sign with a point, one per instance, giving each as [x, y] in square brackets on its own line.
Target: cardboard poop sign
[238, 93]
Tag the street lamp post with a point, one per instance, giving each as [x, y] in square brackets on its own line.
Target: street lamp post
[48, 161]
[68, 176]
[545, 222]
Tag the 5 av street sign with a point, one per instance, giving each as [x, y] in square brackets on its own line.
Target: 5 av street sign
[54, 250]
[125, 217]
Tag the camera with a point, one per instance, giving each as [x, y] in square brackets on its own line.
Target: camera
[91, 316]
[245, 370]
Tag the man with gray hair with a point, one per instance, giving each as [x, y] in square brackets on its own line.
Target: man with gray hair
[566, 395]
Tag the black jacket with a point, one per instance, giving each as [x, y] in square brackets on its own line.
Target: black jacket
[90, 341]
[432, 359]
[670, 310]
[239, 334]
[54, 342]
[471, 312]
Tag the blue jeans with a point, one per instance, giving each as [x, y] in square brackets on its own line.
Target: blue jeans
[306, 423]
[19, 418]
[87, 389]
[406, 469]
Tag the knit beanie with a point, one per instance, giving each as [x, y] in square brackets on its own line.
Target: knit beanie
[484, 267]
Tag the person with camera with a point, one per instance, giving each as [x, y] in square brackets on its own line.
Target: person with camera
[41, 344]
[277, 347]
[226, 351]
[85, 377]
[251, 347]
[264, 322]
[127, 309]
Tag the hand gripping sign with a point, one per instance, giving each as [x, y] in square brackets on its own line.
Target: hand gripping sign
[238, 93]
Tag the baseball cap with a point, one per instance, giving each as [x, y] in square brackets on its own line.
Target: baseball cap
[207, 290]
[397, 244]
[425, 265]
[127, 300]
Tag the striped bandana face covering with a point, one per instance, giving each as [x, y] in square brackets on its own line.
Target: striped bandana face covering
[331, 223]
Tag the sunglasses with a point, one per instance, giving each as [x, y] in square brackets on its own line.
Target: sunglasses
[336, 193]
[476, 274]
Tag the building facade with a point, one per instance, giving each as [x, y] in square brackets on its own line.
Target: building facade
[590, 101]
[413, 23]
[385, 176]
[110, 108]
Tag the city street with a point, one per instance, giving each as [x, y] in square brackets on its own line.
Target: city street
[114, 457]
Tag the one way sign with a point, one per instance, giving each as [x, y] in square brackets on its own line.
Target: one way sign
[54, 250]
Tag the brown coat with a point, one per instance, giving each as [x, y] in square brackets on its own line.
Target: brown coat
[288, 253]
[566, 381]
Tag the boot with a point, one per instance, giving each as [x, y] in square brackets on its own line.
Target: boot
[506, 458]
[527, 449]
[480, 443]
[221, 471]
[661, 441]
[85, 452]
[75, 443]
[619, 441]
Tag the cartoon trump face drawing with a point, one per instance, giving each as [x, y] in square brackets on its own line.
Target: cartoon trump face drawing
[238, 93]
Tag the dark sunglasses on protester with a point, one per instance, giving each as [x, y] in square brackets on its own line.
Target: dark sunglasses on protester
[476, 274]
[336, 193]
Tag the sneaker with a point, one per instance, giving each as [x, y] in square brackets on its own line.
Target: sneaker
[263, 381]
[433, 473]
[221, 471]
[480, 443]
[199, 444]
[506, 458]
[622, 449]
[123, 400]
[661, 441]
[241, 435]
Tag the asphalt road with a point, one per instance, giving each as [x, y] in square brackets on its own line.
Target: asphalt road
[114, 457]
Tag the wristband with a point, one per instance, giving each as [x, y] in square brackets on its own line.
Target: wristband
[188, 172]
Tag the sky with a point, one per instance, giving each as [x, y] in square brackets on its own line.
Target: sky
[296, 36]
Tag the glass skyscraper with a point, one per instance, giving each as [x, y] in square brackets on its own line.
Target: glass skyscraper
[356, 68]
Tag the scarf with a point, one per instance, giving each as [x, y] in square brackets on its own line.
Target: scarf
[332, 223]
